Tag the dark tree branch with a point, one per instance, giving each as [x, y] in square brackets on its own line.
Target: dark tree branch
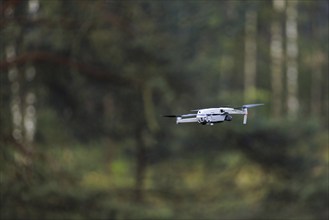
[88, 70]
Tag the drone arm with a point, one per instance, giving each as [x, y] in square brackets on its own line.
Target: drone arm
[180, 120]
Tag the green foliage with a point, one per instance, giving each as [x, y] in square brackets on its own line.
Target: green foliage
[267, 170]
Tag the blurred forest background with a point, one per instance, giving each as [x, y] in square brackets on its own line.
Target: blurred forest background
[84, 85]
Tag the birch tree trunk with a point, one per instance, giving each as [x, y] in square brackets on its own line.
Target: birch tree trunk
[23, 98]
[250, 56]
[16, 102]
[30, 116]
[277, 57]
[292, 54]
[14, 77]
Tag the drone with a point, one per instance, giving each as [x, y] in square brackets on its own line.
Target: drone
[210, 116]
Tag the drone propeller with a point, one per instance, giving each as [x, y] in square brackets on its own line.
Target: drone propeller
[171, 116]
[247, 106]
[175, 116]
[251, 105]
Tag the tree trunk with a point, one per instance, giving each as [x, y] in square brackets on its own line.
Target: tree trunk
[23, 98]
[250, 56]
[316, 81]
[16, 102]
[316, 62]
[277, 58]
[14, 77]
[149, 111]
[30, 116]
[141, 164]
[292, 54]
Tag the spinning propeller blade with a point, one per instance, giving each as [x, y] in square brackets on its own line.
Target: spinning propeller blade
[176, 116]
[251, 105]
[171, 116]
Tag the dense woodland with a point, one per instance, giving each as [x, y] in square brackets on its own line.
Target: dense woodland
[84, 85]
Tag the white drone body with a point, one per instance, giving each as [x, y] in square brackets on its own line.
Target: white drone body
[210, 116]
